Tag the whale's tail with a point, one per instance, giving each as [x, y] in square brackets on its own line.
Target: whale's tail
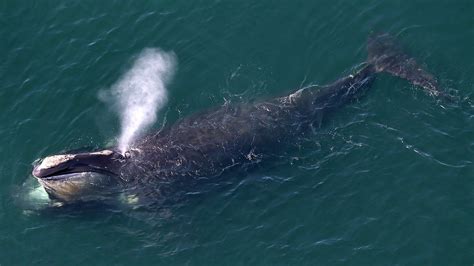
[387, 56]
[384, 55]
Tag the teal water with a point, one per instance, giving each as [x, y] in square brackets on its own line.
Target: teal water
[387, 181]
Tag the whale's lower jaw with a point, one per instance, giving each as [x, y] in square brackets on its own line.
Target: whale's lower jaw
[79, 176]
[75, 187]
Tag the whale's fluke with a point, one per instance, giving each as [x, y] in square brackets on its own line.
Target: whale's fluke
[384, 55]
[387, 56]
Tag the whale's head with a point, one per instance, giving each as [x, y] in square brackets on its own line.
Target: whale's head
[80, 176]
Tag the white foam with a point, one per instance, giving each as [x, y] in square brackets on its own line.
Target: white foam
[140, 93]
[31, 196]
[38, 194]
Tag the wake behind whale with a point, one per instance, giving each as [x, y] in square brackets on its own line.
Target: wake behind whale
[210, 142]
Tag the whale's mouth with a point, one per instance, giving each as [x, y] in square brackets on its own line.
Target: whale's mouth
[55, 166]
[60, 173]
[71, 177]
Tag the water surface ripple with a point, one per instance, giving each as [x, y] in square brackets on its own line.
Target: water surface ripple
[387, 180]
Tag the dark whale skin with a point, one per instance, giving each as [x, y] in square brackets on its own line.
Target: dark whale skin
[207, 143]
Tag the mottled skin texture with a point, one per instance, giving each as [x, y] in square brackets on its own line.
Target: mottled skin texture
[207, 143]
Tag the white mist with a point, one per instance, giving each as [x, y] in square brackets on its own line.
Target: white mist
[140, 93]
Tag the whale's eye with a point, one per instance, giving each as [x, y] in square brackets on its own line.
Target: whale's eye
[127, 155]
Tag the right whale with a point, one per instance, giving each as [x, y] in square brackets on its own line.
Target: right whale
[207, 143]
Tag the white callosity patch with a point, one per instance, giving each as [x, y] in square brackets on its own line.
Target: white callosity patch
[54, 160]
[103, 152]
[140, 93]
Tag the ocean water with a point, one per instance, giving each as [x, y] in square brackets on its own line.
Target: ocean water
[388, 180]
